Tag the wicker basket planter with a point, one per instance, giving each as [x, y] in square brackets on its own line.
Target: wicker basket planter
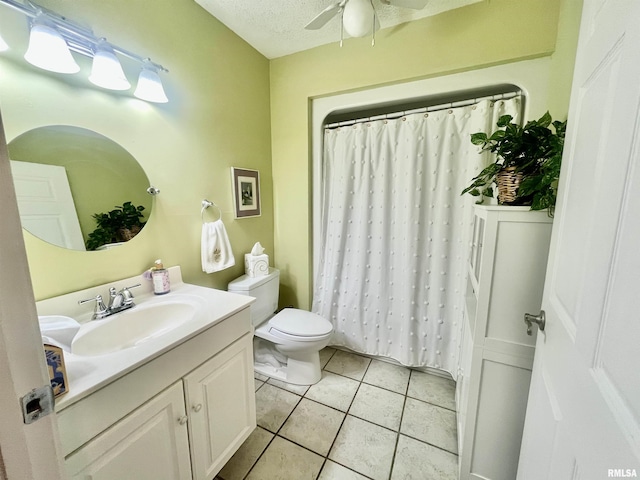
[527, 163]
[126, 234]
[508, 181]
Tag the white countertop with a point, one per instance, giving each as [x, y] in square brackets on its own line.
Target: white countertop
[86, 374]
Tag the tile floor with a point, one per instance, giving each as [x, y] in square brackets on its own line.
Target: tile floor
[365, 419]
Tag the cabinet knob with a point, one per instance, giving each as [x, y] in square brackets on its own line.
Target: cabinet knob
[182, 420]
[197, 408]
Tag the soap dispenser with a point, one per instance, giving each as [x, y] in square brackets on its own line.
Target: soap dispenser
[160, 277]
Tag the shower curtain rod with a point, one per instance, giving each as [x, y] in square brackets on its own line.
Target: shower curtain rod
[432, 108]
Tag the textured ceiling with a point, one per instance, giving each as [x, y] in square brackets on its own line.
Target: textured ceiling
[276, 27]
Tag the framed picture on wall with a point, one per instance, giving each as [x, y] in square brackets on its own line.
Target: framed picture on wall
[246, 192]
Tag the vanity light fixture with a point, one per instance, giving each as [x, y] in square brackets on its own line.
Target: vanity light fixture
[47, 49]
[149, 86]
[53, 38]
[106, 71]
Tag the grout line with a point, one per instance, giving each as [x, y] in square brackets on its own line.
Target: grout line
[324, 462]
[346, 414]
[385, 388]
[276, 433]
[395, 448]
[433, 404]
[261, 453]
[428, 443]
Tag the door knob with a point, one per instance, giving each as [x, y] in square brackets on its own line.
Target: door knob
[539, 320]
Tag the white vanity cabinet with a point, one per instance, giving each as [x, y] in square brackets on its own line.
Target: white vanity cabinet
[180, 416]
[506, 274]
[151, 442]
[221, 403]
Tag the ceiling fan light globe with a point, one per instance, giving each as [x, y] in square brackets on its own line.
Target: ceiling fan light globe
[358, 17]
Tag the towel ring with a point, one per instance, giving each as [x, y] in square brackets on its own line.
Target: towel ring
[206, 204]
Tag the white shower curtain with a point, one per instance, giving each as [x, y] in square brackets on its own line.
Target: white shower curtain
[395, 232]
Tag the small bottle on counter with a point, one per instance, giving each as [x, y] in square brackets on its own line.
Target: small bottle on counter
[160, 277]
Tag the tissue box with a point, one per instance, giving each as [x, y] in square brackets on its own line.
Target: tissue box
[256, 265]
[57, 370]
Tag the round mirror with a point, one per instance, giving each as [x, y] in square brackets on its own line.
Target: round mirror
[78, 189]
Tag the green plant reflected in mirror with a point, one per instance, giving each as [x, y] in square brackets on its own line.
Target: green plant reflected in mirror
[68, 177]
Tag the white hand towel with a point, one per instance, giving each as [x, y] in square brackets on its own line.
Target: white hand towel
[216, 249]
[51, 341]
[58, 330]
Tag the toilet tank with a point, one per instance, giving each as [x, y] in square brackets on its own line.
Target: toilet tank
[264, 289]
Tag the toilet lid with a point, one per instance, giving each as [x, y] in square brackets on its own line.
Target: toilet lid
[300, 323]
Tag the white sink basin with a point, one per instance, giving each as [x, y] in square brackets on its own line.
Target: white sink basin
[132, 327]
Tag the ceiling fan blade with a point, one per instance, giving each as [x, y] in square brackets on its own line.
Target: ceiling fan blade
[324, 16]
[413, 4]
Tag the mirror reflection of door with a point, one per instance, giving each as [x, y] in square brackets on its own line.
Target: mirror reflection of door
[101, 174]
[46, 205]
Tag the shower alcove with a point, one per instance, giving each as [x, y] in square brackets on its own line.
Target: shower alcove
[483, 354]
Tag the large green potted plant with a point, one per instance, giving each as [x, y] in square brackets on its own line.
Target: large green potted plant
[527, 162]
[119, 225]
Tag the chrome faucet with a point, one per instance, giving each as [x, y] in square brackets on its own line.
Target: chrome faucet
[118, 301]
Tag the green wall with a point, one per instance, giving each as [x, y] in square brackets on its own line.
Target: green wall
[473, 37]
[217, 117]
[232, 107]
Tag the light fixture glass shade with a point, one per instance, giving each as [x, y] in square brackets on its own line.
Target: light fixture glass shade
[357, 17]
[150, 87]
[49, 51]
[106, 71]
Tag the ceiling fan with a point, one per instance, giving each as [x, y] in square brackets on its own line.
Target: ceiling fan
[358, 17]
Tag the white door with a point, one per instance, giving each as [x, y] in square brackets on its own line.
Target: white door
[583, 418]
[26, 451]
[46, 206]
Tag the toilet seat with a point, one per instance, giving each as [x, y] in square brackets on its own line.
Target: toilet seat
[294, 323]
[295, 338]
[275, 336]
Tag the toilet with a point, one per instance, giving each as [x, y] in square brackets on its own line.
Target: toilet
[287, 344]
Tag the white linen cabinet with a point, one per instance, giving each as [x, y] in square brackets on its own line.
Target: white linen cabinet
[506, 272]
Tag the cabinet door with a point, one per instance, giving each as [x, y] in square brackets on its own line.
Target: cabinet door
[462, 384]
[222, 410]
[475, 258]
[151, 443]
